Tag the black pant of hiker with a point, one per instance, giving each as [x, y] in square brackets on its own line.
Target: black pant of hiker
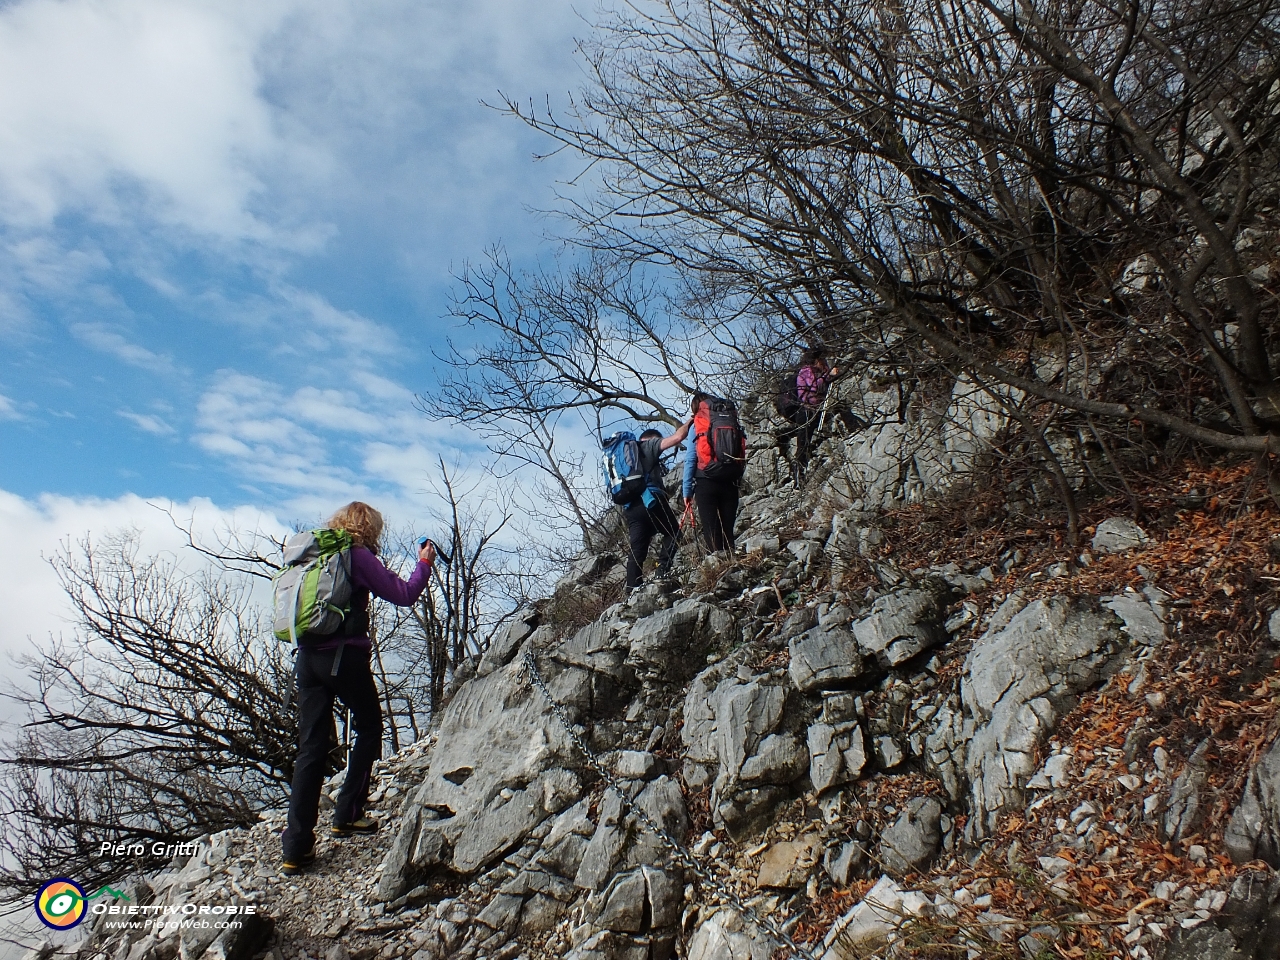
[316, 689]
[642, 524]
[717, 502]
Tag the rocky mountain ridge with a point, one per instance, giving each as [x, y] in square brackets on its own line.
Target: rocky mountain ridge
[1012, 753]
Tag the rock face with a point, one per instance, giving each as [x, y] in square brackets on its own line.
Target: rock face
[1118, 535]
[826, 659]
[486, 789]
[912, 841]
[1020, 676]
[904, 623]
[1254, 831]
[735, 733]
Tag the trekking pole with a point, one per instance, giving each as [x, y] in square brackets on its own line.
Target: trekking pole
[687, 515]
[822, 418]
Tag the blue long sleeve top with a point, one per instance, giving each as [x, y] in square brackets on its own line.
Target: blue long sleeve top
[690, 465]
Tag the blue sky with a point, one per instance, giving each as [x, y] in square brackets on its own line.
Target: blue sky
[228, 235]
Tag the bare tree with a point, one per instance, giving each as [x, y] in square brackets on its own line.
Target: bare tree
[562, 356]
[167, 715]
[457, 620]
[965, 181]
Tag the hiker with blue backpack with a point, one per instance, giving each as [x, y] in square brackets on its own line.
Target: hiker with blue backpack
[713, 468]
[633, 474]
[322, 605]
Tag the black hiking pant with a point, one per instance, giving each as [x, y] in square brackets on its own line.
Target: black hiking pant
[717, 502]
[642, 524]
[354, 686]
[804, 428]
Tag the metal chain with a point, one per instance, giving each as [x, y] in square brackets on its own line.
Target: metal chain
[685, 856]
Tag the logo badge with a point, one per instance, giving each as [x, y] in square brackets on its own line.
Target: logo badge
[60, 903]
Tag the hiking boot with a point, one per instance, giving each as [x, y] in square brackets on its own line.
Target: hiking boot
[365, 826]
[295, 866]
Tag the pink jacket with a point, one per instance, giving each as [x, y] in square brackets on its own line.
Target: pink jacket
[811, 386]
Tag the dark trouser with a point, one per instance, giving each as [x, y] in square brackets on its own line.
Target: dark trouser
[804, 428]
[642, 524]
[717, 502]
[316, 689]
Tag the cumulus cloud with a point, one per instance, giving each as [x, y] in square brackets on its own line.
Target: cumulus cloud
[320, 445]
[106, 104]
[36, 529]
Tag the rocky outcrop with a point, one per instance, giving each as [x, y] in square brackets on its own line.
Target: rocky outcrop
[1254, 830]
[798, 737]
[1021, 675]
[735, 733]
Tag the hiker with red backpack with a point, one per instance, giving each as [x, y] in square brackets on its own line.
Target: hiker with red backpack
[713, 467]
[322, 604]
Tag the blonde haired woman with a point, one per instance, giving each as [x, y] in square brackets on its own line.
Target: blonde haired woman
[337, 665]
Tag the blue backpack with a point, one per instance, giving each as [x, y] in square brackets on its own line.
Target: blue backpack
[623, 474]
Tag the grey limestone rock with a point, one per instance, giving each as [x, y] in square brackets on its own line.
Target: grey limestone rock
[843, 861]
[904, 623]
[624, 903]
[837, 754]
[781, 759]
[1020, 676]
[1254, 830]
[602, 853]
[501, 913]
[750, 761]
[912, 841]
[502, 648]
[762, 543]
[888, 753]
[873, 922]
[498, 769]
[1143, 620]
[1118, 535]
[825, 658]
[726, 936]
[621, 841]
[1184, 813]
[636, 765]
[670, 645]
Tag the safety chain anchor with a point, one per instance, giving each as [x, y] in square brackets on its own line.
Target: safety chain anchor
[682, 854]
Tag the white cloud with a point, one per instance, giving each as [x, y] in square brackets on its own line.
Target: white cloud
[324, 326]
[7, 409]
[100, 100]
[147, 422]
[33, 530]
[113, 343]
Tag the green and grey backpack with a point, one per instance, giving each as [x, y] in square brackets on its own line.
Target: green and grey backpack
[313, 588]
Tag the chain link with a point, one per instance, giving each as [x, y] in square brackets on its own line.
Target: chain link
[682, 854]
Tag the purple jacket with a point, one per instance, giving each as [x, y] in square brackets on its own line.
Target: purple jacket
[811, 386]
[370, 575]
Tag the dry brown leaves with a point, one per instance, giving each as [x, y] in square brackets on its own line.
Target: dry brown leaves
[1212, 532]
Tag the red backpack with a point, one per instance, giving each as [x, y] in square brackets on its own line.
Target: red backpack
[721, 444]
